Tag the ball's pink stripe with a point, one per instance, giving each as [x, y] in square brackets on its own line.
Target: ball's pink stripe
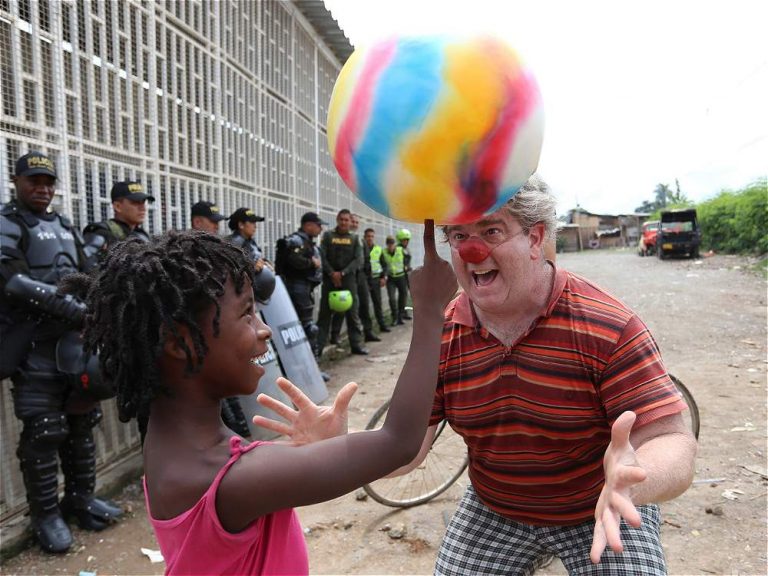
[522, 96]
[352, 127]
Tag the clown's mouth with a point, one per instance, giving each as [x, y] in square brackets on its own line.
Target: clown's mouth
[484, 277]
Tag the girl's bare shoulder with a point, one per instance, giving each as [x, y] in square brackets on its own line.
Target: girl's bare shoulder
[178, 475]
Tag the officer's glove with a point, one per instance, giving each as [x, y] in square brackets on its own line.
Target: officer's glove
[45, 299]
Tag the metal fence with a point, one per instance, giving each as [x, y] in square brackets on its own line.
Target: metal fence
[197, 99]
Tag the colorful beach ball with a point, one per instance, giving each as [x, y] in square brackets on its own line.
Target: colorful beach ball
[435, 127]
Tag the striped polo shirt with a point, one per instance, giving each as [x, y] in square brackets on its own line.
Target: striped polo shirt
[536, 416]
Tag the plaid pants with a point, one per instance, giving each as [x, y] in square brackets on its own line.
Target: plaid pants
[479, 541]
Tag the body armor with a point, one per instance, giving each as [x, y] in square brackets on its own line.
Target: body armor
[50, 246]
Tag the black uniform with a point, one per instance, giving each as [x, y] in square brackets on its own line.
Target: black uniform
[361, 294]
[301, 277]
[341, 253]
[38, 250]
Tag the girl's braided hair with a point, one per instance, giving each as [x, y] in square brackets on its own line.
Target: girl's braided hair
[141, 293]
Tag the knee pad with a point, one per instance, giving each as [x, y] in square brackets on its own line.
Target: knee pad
[81, 424]
[311, 329]
[44, 432]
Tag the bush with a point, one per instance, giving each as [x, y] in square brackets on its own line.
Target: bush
[736, 222]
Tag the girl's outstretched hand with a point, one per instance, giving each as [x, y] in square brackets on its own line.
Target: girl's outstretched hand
[307, 422]
[434, 283]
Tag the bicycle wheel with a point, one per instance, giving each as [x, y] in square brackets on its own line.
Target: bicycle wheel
[692, 414]
[443, 465]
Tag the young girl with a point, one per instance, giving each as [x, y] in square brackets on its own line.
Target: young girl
[176, 329]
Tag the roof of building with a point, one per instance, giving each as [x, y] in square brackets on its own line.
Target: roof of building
[327, 27]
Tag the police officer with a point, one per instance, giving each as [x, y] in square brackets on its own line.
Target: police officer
[300, 264]
[129, 203]
[342, 256]
[403, 239]
[361, 294]
[206, 217]
[40, 328]
[397, 287]
[242, 222]
[375, 274]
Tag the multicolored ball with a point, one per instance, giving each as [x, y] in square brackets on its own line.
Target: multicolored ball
[435, 127]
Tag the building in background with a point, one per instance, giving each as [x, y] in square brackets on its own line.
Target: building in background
[220, 100]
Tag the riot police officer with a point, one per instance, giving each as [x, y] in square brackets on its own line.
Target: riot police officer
[342, 256]
[129, 203]
[242, 222]
[41, 344]
[300, 265]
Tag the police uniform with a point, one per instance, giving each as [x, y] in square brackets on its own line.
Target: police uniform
[375, 269]
[264, 280]
[99, 236]
[397, 287]
[40, 329]
[341, 253]
[362, 296]
[301, 276]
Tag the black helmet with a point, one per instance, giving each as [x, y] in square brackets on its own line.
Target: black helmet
[263, 285]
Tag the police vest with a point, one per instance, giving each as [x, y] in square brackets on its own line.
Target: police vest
[375, 259]
[49, 245]
[396, 262]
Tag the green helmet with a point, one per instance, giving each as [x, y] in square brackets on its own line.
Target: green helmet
[340, 300]
[403, 234]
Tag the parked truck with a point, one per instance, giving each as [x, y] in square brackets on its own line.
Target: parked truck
[678, 234]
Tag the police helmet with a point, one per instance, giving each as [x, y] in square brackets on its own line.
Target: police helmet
[340, 300]
[403, 234]
[264, 285]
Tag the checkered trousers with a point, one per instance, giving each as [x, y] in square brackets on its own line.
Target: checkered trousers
[479, 541]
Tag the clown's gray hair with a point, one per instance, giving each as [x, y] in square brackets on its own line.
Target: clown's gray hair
[534, 203]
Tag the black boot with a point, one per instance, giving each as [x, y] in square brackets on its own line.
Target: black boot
[78, 461]
[52, 533]
[39, 465]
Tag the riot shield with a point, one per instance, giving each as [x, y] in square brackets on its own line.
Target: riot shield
[266, 386]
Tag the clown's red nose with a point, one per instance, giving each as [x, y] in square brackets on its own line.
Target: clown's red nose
[474, 251]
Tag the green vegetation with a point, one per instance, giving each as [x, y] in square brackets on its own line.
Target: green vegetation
[736, 221]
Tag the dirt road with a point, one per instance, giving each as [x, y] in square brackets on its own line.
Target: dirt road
[709, 318]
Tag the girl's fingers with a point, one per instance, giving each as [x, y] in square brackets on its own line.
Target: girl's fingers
[344, 397]
[273, 425]
[430, 251]
[299, 399]
[277, 407]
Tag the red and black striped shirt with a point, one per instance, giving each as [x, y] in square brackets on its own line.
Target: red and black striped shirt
[536, 416]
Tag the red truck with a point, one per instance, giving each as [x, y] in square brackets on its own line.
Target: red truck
[647, 245]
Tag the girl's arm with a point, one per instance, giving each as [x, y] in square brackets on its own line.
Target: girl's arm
[278, 476]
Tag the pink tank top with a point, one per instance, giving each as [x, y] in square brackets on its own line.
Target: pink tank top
[195, 542]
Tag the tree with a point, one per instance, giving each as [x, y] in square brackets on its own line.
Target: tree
[662, 192]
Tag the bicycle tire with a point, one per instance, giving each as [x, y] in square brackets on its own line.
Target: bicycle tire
[693, 408]
[444, 464]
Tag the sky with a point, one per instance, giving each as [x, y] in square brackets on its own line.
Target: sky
[635, 93]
